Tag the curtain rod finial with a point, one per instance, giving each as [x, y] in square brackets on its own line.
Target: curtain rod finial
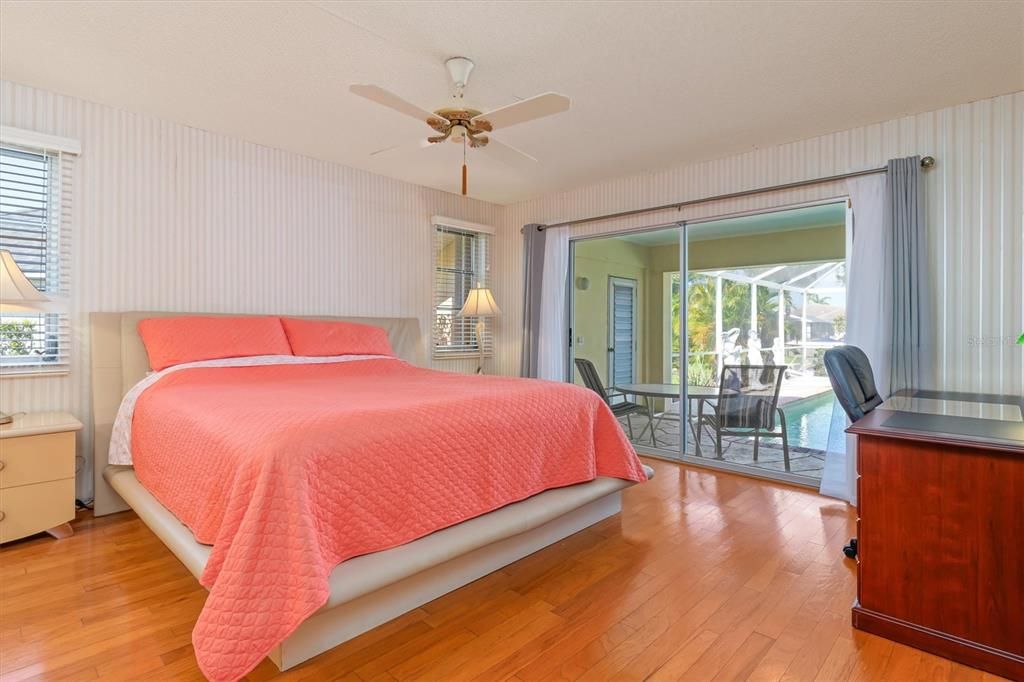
[927, 162]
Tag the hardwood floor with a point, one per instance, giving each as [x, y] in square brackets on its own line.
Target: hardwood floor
[704, 576]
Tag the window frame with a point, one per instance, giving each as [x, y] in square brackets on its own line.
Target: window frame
[52, 319]
[477, 231]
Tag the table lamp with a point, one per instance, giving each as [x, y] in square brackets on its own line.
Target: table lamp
[480, 304]
[16, 295]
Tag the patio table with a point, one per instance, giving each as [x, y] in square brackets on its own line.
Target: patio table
[671, 391]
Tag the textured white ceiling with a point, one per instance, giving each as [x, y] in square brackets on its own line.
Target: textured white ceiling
[653, 84]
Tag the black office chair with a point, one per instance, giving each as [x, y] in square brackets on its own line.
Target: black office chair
[849, 372]
[592, 380]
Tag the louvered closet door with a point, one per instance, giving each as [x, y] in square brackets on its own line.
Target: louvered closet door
[621, 331]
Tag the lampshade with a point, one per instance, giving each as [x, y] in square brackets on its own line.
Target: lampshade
[15, 289]
[480, 303]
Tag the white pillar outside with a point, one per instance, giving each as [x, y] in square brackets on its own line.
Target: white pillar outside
[718, 325]
[803, 337]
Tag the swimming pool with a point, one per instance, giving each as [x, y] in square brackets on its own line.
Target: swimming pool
[809, 420]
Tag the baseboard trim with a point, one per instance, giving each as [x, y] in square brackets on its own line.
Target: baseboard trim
[995, 661]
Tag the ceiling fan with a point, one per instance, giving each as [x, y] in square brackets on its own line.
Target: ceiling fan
[463, 124]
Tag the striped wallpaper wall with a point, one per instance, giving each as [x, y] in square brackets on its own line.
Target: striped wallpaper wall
[975, 213]
[173, 218]
[170, 217]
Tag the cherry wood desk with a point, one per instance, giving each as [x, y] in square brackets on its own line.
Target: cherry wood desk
[940, 538]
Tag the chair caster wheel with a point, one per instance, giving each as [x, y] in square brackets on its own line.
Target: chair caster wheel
[850, 550]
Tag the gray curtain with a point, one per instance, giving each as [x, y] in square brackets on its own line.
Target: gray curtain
[912, 344]
[533, 259]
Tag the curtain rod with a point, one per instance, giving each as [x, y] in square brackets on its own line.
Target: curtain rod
[926, 162]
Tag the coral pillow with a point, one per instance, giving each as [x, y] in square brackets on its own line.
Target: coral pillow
[322, 338]
[174, 340]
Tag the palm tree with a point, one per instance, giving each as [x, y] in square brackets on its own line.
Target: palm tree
[700, 309]
[700, 326]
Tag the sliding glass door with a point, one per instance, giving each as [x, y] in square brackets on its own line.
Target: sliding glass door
[764, 298]
[708, 337]
[625, 338]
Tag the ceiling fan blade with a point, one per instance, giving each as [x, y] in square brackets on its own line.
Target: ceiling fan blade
[422, 144]
[508, 154]
[526, 110]
[390, 100]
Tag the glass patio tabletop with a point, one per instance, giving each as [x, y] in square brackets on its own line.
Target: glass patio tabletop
[666, 390]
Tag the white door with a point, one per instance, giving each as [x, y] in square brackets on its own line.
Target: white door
[621, 331]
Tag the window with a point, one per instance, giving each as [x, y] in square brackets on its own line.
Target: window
[35, 220]
[462, 259]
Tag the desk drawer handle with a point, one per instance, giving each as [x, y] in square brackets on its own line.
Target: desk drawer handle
[3, 515]
[2, 465]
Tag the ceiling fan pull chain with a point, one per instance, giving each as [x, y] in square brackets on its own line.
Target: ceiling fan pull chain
[465, 172]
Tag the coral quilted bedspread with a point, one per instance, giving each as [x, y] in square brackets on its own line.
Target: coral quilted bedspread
[288, 470]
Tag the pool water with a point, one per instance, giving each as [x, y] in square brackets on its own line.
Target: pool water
[809, 422]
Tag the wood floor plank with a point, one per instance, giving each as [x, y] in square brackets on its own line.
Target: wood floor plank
[430, 646]
[703, 576]
[746, 658]
[685, 656]
[839, 663]
[684, 611]
[480, 653]
[872, 659]
[571, 667]
[902, 665]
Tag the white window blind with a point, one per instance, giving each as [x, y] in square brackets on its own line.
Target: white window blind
[35, 223]
[462, 258]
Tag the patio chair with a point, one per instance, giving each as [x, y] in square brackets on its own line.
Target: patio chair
[853, 381]
[747, 405]
[592, 380]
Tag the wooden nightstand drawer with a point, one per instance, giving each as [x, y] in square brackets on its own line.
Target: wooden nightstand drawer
[38, 458]
[29, 509]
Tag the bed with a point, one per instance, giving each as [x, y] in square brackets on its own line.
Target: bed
[367, 590]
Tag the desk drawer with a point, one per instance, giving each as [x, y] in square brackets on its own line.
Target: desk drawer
[30, 509]
[34, 459]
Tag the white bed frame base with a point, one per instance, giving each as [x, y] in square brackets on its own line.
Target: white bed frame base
[329, 628]
[368, 590]
[372, 589]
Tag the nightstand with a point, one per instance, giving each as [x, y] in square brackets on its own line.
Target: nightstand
[37, 475]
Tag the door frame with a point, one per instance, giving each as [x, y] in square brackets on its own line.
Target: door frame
[683, 226]
[633, 286]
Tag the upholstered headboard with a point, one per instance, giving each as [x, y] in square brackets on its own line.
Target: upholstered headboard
[119, 361]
